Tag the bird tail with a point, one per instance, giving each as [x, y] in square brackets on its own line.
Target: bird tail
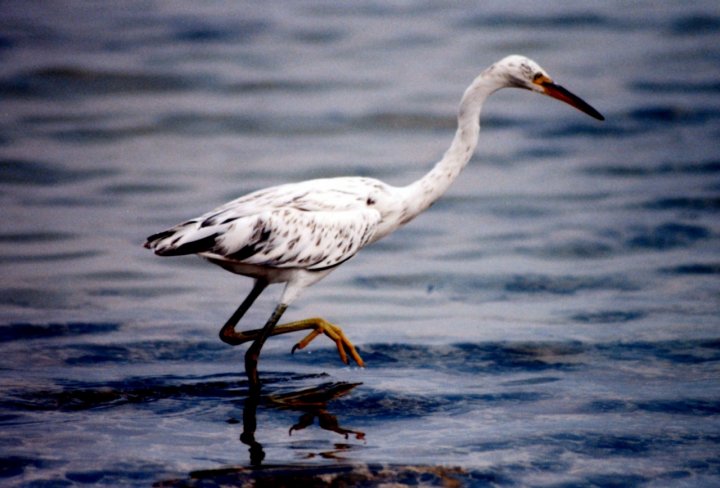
[182, 240]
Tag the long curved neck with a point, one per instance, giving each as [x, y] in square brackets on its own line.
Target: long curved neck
[422, 193]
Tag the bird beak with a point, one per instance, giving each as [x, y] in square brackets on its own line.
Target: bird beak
[558, 92]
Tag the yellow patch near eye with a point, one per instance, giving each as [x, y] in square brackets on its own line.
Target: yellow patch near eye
[541, 79]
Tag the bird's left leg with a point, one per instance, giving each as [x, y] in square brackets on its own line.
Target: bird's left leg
[253, 352]
[228, 334]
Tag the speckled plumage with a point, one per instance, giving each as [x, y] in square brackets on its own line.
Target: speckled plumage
[313, 225]
[297, 233]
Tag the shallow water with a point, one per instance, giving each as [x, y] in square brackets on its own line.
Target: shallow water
[552, 321]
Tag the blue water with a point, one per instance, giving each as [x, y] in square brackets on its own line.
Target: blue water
[552, 321]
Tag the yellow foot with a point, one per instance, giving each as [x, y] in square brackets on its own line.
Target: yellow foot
[335, 333]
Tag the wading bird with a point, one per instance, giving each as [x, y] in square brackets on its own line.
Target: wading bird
[299, 232]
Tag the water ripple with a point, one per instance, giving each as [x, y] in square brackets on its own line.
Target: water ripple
[23, 172]
[71, 82]
[673, 168]
[668, 236]
[23, 332]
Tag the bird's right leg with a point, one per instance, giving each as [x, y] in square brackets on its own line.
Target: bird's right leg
[318, 326]
[228, 334]
[321, 326]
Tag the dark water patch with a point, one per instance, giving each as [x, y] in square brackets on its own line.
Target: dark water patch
[86, 200]
[708, 466]
[600, 445]
[65, 118]
[594, 445]
[117, 275]
[609, 316]
[139, 292]
[379, 406]
[9, 418]
[667, 236]
[677, 86]
[41, 258]
[486, 358]
[512, 357]
[570, 20]
[695, 24]
[503, 358]
[79, 396]
[684, 203]
[319, 35]
[693, 168]
[582, 129]
[533, 381]
[471, 204]
[203, 124]
[434, 281]
[198, 30]
[190, 123]
[339, 474]
[525, 284]
[33, 298]
[694, 269]
[566, 285]
[613, 480]
[146, 351]
[406, 121]
[6, 42]
[142, 188]
[195, 124]
[11, 466]
[609, 406]
[121, 474]
[70, 82]
[35, 237]
[24, 172]
[540, 153]
[672, 352]
[574, 249]
[516, 210]
[672, 114]
[81, 135]
[280, 86]
[683, 406]
[25, 331]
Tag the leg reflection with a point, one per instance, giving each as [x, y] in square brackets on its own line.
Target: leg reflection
[326, 421]
[249, 425]
[312, 402]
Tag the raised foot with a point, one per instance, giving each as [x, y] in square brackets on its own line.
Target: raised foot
[335, 333]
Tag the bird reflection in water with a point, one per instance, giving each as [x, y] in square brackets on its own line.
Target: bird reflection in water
[311, 401]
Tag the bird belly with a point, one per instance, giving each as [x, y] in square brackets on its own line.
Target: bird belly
[267, 273]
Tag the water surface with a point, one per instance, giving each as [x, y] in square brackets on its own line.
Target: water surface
[552, 321]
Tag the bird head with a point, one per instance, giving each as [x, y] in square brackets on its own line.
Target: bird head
[521, 72]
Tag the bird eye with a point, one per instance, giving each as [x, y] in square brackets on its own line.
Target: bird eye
[541, 79]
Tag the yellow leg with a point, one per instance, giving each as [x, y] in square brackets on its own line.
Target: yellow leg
[318, 325]
[335, 333]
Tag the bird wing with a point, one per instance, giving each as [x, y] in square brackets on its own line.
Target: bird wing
[313, 225]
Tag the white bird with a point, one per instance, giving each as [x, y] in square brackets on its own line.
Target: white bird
[298, 233]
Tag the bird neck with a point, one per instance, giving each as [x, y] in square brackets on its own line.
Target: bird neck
[422, 193]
